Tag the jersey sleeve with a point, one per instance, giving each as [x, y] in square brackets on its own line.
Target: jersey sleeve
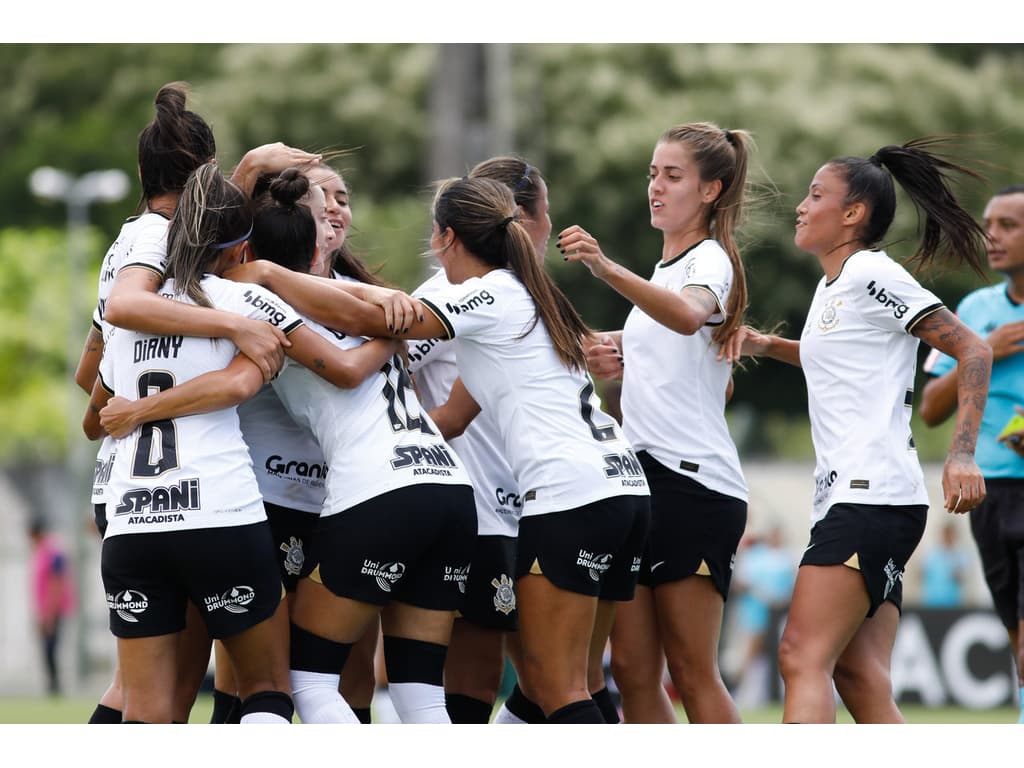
[149, 250]
[889, 297]
[466, 309]
[709, 268]
[259, 303]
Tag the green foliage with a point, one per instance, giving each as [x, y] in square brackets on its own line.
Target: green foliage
[36, 344]
[587, 115]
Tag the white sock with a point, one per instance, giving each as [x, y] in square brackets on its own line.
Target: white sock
[263, 718]
[504, 717]
[419, 702]
[317, 699]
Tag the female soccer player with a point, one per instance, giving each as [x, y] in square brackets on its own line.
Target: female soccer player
[169, 149]
[858, 351]
[673, 412]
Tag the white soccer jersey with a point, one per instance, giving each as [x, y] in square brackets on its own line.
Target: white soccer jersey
[142, 242]
[564, 450]
[374, 437]
[192, 471]
[859, 358]
[673, 388]
[432, 364]
[287, 460]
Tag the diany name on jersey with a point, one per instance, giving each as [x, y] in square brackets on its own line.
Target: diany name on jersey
[158, 346]
[436, 457]
[162, 504]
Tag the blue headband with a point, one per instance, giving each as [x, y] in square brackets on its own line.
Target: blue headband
[242, 239]
[524, 180]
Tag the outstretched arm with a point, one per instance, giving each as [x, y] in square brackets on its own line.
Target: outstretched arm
[457, 413]
[344, 368]
[746, 341]
[962, 484]
[212, 391]
[683, 311]
[134, 303]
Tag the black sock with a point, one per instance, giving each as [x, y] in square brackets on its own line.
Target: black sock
[104, 715]
[523, 708]
[234, 714]
[606, 704]
[578, 713]
[363, 713]
[222, 704]
[466, 709]
[273, 702]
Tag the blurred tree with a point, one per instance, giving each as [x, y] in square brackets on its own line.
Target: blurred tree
[587, 115]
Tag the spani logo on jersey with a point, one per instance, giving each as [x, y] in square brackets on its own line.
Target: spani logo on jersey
[128, 604]
[504, 594]
[625, 465]
[888, 300]
[235, 600]
[160, 504]
[469, 303]
[435, 457]
[270, 309]
[387, 575]
[596, 565]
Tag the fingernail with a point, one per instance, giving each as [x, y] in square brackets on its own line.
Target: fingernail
[391, 327]
[565, 258]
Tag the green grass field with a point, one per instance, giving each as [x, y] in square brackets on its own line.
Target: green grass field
[77, 710]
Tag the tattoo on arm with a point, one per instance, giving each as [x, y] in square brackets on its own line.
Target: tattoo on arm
[703, 298]
[319, 363]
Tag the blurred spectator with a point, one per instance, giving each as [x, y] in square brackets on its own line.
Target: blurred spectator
[943, 571]
[763, 581]
[52, 595]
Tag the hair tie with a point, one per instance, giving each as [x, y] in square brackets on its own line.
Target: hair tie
[876, 160]
[728, 135]
[506, 221]
[524, 179]
[242, 239]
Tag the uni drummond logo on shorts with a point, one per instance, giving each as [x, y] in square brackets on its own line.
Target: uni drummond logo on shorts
[458, 575]
[596, 565]
[234, 600]
[128, 604]
[387, 575]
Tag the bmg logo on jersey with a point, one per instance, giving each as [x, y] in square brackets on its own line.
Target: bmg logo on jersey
[471, 302]
[386, 575]
[418, 350]
[435, 457]
[128, 604]
[162, 504]
[596, 565]
[235, 600]
[271, 310]
[625, 465]
[888, 300]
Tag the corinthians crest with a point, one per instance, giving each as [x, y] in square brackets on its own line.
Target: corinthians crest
[504, 594]
[294, 557]
[830, 315]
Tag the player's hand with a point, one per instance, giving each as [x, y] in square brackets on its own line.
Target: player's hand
[1007, 340]
[604, 359]
[400, 309]
[576, 244]
[743, 341]
[262, 343]
[117, 417]
[963, 487]
[1014, 440]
